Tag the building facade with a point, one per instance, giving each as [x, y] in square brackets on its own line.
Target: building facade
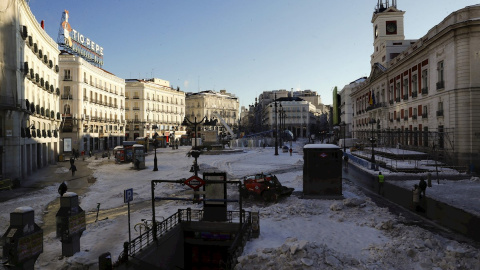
[425, 97]
[153, 103]
[92, 104]
[346, 106]
[29, 93]
[219, 105]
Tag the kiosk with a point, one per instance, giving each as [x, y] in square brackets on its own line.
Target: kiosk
[138, 156]
[322, 170]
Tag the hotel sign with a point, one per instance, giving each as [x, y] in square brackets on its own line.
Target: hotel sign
[78, 43]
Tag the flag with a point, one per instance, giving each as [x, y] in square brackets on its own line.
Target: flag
[373, 98]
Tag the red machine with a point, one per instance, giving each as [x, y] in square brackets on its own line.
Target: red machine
[265, 186]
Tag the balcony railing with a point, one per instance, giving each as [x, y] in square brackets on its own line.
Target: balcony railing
[391, 102]
[440, 85]
[136, 108]
[414, 117]
[405, 118]
[414, 94]
[397, 99]
[440, 113]
[398, 119]
[67, 97]
[405, 97]
[67, 78]
[424, 115]
[136, 97]
[425, 91]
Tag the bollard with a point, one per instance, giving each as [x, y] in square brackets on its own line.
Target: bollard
[23, 241]
[105, 261]
[70, 220]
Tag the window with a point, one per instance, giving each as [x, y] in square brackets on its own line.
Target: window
[405, 89]
[398, 92]
[440, 70]
[414, 86]
[66, 75]
[424, 81]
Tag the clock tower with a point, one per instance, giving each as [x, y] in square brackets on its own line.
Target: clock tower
[387, 23]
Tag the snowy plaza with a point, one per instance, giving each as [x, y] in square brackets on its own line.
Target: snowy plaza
[295, 233]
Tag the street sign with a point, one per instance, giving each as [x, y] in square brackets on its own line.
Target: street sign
[194, 182]
[128, 195]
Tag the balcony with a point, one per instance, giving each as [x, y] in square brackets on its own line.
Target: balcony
[405, 97]
[391, 120]
[405, 118]
[136, 108]
[391, 102]
[440, 113]
[424, 115]
[85, 98]
[67, 78]
[66, 97]
[440, 85]
[398, 119]
[414, 94]
[425, 91]
[397, 99]
[414, 117]
[136, 97]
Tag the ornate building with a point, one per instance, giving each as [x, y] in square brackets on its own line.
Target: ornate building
[92, 104]
[29, 93]
[423, 94]
[219, 105]
[153, 103]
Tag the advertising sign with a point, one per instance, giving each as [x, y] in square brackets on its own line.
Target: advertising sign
[215, 190]
[78, 43]
[67, 144]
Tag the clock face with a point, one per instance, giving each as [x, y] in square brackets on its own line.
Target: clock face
[391, 27]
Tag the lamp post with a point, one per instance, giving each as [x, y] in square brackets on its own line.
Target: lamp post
[372, 140]
[276, 128]
[196, 153]
[155, 144]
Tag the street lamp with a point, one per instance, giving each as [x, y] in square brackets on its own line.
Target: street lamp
[372, 140]
[155, 144]
[276, 127]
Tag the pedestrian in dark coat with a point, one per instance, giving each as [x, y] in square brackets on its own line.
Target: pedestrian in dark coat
[72, 160]
[73, 168]
[423, 186]
[62, 188]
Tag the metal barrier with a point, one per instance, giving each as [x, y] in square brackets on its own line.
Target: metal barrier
[163, 227]
[6, 184]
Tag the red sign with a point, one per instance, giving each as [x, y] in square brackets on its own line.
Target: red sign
[323, 155]
[194, 182]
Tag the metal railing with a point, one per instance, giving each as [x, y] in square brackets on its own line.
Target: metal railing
[163, 227]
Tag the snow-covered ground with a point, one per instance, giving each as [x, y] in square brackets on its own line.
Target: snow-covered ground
[294, 233]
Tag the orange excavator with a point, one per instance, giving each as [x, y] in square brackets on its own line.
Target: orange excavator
[265, 186]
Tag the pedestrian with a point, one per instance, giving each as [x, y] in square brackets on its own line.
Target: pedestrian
[416, 199]
[290, 150]
[381, 181]
[72, 160]
[90, 153]
[429, 180]
[423, 186]
[345, 158]
[62, 188]
[73, 168]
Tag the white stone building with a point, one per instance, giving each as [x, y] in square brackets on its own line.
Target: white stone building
[151, 103]
[425, 97]
[29, 95]
[213, 104]
[346, 106]
[92, 105]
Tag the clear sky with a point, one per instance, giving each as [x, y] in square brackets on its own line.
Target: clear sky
[243, 46]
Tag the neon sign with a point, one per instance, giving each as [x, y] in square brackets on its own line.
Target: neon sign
[80, 44]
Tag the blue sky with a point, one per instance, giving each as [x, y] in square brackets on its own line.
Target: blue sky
[243, 46]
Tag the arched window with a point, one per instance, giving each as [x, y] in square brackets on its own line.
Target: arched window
[66, 109]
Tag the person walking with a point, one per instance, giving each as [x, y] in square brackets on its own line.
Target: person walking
[381, 181]
[73, 168]
[290, 150]
[62, 188]
[423, 186]
[72, 160]
[345, 158]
